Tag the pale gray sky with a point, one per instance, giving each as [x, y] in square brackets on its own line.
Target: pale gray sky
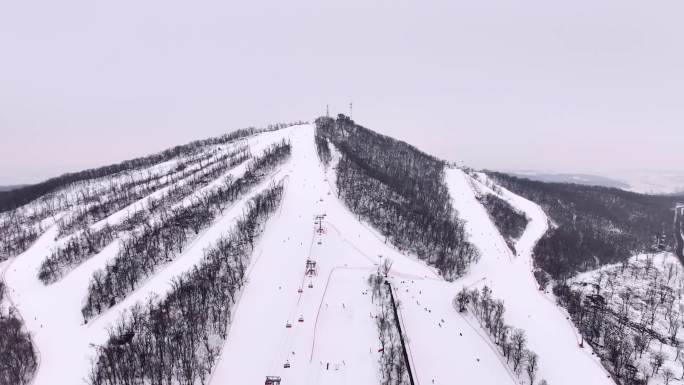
[580, 85]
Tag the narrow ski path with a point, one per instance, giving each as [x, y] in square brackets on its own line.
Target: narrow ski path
[548, 332]
[159, 284]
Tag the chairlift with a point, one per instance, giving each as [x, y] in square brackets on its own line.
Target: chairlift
[272, 380]
[286, 365]
[310, 285]
[288, 325]
[300, 290]
[301, 318]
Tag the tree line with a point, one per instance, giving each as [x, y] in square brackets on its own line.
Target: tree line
[510, 222]
[177, 340]
[22, 226]
[322, 149]
[17, 233]
[393, 367]
[511, 341]
[13, 199]
[595, 225]
[18, 360]
[163, 240]
[401, 192]
[117, 196]
[88, 242]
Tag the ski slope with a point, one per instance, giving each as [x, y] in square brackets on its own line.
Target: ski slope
[336, 341]
[52, 313]
[550, 334]
[337, 331]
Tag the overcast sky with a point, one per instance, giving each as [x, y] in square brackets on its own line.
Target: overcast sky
[580, 85]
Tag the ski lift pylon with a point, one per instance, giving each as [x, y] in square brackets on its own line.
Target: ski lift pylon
[310, 268]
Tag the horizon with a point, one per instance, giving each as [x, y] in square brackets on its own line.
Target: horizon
[626, 179]
[9, 182]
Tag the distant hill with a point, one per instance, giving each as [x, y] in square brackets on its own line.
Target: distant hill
[641, 181]
[12, 187]
[583, 179]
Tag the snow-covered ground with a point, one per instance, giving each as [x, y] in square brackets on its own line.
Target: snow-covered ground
[647, 284]
[550, 334]
[336, 342]
[53, 313]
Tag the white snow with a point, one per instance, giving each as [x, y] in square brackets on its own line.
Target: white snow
[550, 334]
[53, 313]
[331, 335]
[638, 276]
[337, 341]
[344, 336]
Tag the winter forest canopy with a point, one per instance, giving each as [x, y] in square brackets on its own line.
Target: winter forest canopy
[400, 190]
[594, 225]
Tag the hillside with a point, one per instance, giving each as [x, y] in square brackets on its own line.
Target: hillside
[594, 225]
[11, 187]
[318, 253]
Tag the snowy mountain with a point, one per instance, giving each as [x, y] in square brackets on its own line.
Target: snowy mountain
[641, 181]
[324, 253]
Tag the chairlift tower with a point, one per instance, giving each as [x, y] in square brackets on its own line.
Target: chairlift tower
[319, 223]
[311, 268]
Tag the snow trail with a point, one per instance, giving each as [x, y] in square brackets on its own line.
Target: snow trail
[52, 313]
[337, 342]
[549, 334]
